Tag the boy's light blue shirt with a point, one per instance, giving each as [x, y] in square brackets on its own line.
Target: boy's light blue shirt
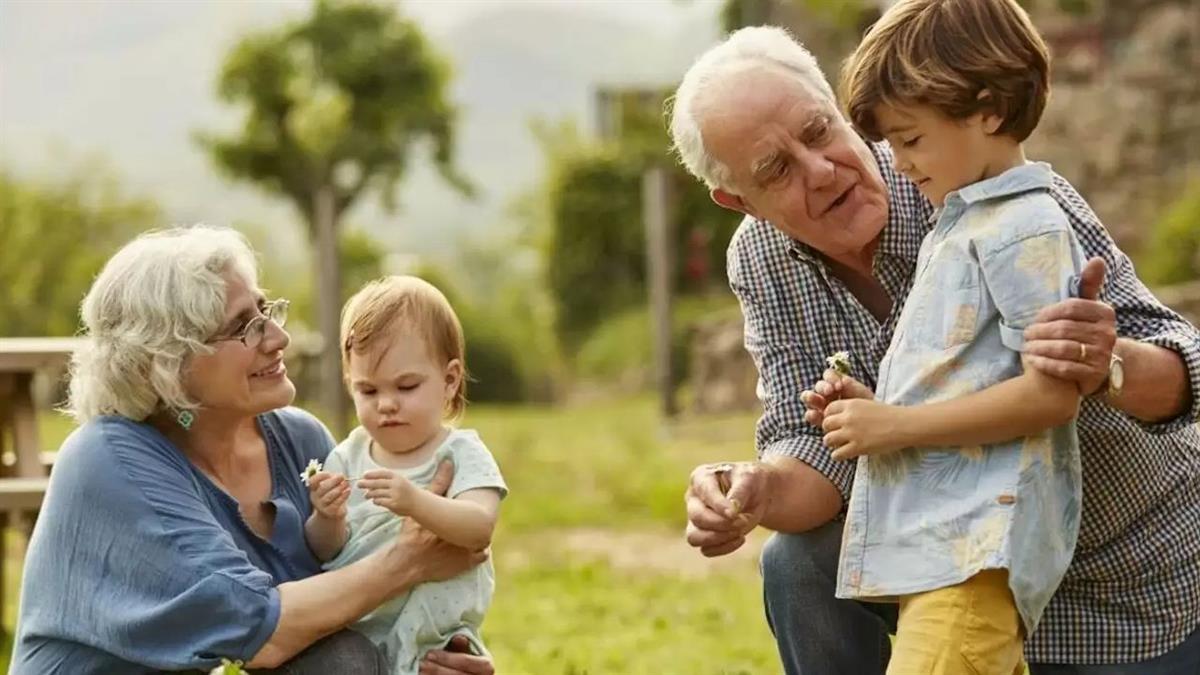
[921, 519]
[140, 563]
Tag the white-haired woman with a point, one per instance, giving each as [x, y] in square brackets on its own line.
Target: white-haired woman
[172, 534]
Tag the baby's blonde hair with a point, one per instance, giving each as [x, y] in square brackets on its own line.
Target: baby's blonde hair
[386, 305]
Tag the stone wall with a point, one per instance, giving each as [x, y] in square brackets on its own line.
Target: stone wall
[1123, 125]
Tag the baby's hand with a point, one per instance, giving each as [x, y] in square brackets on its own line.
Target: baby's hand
[833, 387]
[329, 493]
[389, 490]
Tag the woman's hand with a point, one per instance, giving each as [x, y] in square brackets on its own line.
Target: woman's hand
[329, 493]
[455, 660]
[419, 555]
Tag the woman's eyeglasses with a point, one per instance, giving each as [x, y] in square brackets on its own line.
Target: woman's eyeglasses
[252, 333]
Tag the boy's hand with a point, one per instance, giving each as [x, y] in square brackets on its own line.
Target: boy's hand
[389, 490]
[329, 493]
[834, 387]
[857, 427]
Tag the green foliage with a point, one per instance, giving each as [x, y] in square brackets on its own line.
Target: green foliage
[1172, 254]
[596, 255]
[594, 239]
[56, 236]
[622, 344]
[505, 362]
[361, 260]
[336, 100]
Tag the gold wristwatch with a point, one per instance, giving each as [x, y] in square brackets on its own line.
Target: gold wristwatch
[1116, 376]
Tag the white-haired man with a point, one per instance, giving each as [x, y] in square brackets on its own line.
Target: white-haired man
[823, 263]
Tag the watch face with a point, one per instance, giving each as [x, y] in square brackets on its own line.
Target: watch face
[1116, 375]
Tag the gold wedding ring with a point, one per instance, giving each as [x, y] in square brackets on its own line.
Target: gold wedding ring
[1082, 352]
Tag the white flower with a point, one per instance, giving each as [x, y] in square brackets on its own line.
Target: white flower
[227, 667]
[840, 362]
[309, 471]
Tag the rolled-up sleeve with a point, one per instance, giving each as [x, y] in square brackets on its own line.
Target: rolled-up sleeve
[127, 560]
[785, 369]
[1140, 315]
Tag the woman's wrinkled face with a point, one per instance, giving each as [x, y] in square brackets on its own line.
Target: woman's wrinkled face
[235, 378]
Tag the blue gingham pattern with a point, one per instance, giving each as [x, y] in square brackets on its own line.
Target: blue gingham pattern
[1133, 589]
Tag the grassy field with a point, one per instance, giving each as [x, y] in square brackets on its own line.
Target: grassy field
[592, 574]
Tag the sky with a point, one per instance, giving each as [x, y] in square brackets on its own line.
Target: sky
[130, 81]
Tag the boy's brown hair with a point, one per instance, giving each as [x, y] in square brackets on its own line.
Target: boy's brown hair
[959, 57]
[396, 302]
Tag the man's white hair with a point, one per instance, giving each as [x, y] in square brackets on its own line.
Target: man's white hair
[756, 44]
[156, 302]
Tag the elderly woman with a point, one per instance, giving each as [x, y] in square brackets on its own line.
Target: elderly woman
[173, 531]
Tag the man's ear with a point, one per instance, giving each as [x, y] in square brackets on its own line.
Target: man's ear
[730, 201]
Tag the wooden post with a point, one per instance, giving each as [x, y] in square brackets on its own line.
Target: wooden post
[329, 306]
[660, 265]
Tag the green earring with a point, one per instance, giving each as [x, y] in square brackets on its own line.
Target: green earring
[185, 419]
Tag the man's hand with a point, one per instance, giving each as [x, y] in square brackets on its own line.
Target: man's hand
[456, 659]
[855, 427]
[724, 503]
[833, 386]
[389, 490]
[1074, 339]
[329, 493]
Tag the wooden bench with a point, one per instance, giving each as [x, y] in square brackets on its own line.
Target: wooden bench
[22, 494]
[20, 499]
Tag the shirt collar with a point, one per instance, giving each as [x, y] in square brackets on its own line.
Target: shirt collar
[1025, 178]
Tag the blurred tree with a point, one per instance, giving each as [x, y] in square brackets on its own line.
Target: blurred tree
[334, 104]
[56, 237]
[1172, 255]
[593, 238]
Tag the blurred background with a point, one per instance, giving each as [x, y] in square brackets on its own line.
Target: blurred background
[500, 149]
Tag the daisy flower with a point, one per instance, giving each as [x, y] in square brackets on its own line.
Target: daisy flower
[309, 471]
[228, 667]
[840, 362]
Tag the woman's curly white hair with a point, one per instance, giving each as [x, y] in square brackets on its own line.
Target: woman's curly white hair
[154, 305]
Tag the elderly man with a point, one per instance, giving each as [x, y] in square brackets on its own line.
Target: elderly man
[823, 263]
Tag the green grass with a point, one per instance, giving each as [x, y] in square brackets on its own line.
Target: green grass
[623, 344]
[634, 601]
[577, 617]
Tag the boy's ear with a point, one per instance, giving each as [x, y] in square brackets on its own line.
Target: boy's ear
[991, 117]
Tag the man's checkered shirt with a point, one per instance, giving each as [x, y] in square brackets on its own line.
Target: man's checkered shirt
[1133, 589]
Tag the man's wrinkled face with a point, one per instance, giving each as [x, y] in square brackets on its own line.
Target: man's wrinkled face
[794, 160]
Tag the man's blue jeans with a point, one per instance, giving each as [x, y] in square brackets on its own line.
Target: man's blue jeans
[818, 634]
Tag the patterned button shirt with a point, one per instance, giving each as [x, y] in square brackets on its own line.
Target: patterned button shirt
[1132, 591]
[921, 519]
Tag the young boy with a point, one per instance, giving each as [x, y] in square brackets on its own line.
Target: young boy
[966, 501]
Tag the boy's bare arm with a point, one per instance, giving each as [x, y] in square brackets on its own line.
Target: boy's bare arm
[1021, 406]
[467, 520]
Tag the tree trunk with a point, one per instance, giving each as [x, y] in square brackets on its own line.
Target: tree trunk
[329, 305]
